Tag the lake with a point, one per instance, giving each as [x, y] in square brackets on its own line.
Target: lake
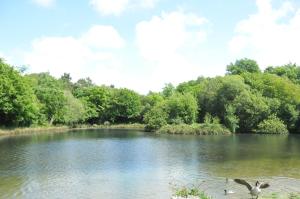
[132, 164]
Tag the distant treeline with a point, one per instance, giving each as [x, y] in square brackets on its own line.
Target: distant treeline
[245, 100]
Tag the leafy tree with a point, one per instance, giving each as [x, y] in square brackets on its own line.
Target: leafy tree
[18, 104]
[168, 90]
[74, 109]
[218, 92]
[272, 125]
[290, 71]
[273, 86]
[150, 101]
[207, 97]
[96, 102]
[193, 86]
[182, 108]
[50, 94]
[243, 66]
[124, 106]
[251, 109]
[156, 117]
[231, 120]
[82, 83]
[66, 81]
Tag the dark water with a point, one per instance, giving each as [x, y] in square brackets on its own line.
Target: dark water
[131, 164]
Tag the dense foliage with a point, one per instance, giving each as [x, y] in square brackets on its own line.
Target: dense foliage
[245, 100]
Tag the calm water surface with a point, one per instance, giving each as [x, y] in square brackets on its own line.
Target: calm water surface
[132, 164]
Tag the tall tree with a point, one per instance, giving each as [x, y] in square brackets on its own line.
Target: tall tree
[18, 104]
[242, 66]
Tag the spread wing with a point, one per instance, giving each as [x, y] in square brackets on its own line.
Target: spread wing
[243, 182]
[264, 185]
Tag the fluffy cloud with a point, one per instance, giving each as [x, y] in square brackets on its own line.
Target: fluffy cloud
[271, 36]
[93, 54]
[44, 3]
[116, 7]
[167, 42]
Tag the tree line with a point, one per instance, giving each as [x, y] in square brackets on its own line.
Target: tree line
[245, 100]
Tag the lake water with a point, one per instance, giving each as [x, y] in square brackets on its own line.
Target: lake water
[131, 164]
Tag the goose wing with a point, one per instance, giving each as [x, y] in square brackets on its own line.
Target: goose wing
[264, 185]
[243, 182]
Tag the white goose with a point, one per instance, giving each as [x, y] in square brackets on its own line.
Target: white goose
[254, 191]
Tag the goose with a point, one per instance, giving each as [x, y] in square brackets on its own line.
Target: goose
[254, 191]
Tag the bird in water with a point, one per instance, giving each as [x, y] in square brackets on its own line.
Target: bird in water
[254, 191]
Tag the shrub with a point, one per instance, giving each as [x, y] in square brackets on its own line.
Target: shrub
[185, 192]
[272, 125]
[155, 118]
[195, 129]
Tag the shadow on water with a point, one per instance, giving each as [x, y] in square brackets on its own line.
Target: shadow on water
[133, 164]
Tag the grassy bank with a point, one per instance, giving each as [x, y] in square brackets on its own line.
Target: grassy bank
[195, 129]
[59, 129]
[197, 193]
[190, 193]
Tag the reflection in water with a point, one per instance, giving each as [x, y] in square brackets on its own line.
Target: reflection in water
[131, 164]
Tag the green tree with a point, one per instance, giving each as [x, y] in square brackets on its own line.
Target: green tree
[18, 104]
[66, 81]
[124, 106]
[182, 108]
[290, 71]
[50, 94]
[231, 120]
[168, 90]
[251, 109]
[243, 66]
[96, 102]
[150, 101]
[82, 83]
[156, 117]
[74, 109]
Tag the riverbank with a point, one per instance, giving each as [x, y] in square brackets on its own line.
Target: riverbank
[276, 191]
[61, 129]
[187, 129]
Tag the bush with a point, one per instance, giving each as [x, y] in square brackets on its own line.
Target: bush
[186, 192]
[272, 125]
[195, 129]
[155, 118]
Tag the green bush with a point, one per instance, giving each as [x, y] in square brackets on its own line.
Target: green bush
[155, 118]
[195, 129]
[185, 192]
[272, 125]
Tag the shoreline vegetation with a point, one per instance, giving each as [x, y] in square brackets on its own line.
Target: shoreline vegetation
[61, 129]
[195, 193]
[244, 100]
[193, 129]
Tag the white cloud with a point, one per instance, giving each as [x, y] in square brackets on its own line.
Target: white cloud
[93, 54]
[116, 7]
[44, 3]
[271, 36]
[167, 42]
[102, 37]
[166, 49]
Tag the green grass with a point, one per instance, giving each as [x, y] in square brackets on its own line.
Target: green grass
[195, 129]
[280, 196]
[185, 192]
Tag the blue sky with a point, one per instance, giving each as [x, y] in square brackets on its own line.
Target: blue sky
[143, 44]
